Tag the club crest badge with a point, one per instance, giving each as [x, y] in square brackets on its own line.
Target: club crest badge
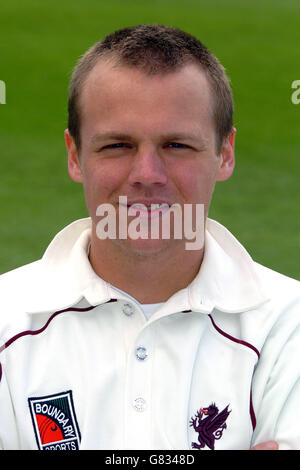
[54, 421]
[209, 424]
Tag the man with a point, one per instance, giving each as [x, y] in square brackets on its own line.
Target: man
[137, 342]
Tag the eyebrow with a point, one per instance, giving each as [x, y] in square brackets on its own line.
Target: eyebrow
[184, 136]
[97, 138]
[109, 135]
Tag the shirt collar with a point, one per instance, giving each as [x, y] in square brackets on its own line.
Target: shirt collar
[227, 279]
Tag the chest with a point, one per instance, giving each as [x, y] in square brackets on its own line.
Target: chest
[178, 383]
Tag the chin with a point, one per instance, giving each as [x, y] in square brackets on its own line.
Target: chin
[147, 247]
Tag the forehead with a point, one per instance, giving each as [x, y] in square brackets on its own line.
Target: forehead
[119, 92]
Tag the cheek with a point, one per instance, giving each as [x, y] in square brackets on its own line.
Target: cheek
[195, 183]
[101, 180]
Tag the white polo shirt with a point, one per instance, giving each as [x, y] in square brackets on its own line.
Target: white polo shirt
[215, 367]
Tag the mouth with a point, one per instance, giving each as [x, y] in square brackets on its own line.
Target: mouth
[145, 208]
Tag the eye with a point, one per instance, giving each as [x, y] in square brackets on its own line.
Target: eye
[176, 145]
[116, 146]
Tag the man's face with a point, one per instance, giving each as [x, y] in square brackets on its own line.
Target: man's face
[149, 138]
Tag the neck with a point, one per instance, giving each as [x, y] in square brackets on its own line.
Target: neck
[149, 277]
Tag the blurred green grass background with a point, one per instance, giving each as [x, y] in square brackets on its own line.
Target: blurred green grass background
[258, 43]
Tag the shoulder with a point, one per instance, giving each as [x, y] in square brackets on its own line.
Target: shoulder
[24, 274]
[280, 288]
[15, 283]
[17, 287]
[48, 284]
[277, 320]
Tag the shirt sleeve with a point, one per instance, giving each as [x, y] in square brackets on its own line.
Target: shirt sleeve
[277, 380]
[8, 430]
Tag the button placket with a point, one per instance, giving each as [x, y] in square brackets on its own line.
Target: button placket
[139, 404]
[141, 353]
[128, 309]
[139, 388]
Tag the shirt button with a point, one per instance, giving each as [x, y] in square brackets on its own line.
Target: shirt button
[139, 404]
[141, 353]
[128, 309]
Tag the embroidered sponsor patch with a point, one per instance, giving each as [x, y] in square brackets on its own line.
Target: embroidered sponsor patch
[209, 424]
[54, 421]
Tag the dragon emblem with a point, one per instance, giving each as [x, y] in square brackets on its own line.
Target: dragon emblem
[209, 424]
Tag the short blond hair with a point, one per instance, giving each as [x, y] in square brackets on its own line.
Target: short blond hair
[155, 49]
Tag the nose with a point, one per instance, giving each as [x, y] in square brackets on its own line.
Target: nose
[148, 168]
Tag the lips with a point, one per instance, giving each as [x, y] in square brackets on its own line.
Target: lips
[143, 202]
[150, 211]
[144, 207]
[152, 206]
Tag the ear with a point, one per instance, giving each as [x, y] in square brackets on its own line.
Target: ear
[73, 158]
[227, 159]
